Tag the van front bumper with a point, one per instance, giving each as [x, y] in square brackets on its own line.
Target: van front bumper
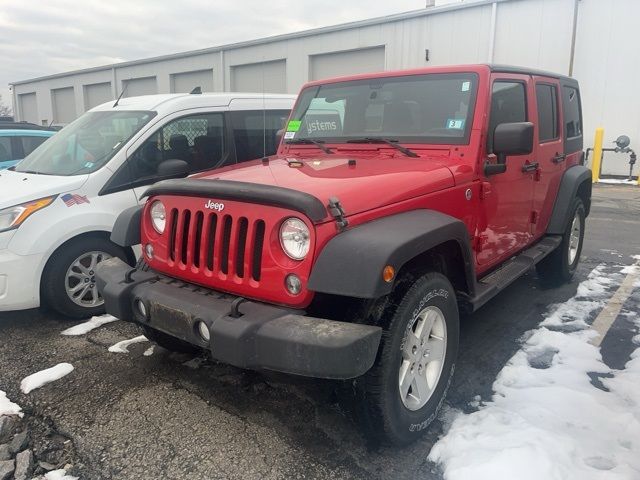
[19, 281]
[243, 333]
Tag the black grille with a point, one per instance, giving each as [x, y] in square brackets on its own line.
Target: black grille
[217, 243]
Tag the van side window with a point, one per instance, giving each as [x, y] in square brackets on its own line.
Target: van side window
[572, 112]
[199, 140]
[255, 131]
[508, 104]
[547, 101]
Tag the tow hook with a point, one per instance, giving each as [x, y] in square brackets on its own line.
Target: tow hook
[337, 212]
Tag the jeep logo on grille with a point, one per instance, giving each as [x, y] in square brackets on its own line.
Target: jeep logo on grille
[217, 206]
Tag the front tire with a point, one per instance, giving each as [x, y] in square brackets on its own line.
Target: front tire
[68, 282]
[402, 393]
[560, 266]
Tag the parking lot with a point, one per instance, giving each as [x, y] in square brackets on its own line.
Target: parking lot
[149, 414]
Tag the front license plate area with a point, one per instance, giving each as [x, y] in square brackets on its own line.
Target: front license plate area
[170, 320]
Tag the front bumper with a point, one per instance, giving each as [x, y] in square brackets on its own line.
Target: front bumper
[19, 281]
[249, 334]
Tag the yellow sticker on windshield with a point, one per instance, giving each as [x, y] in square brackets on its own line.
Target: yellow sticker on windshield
[294, 126]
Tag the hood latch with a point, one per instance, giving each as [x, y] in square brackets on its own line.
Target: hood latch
[337, 212]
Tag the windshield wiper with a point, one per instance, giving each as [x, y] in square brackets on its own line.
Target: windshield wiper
[308, 141]
[33, 172]
[389, 141]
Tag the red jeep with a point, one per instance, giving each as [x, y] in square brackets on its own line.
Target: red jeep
[395, 200]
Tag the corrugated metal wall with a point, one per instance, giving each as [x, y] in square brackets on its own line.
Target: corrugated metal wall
[533, 33]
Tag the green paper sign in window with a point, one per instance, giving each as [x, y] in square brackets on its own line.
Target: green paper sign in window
[294, 126]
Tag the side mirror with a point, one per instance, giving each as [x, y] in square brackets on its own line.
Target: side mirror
[510, 139]
[173, 168]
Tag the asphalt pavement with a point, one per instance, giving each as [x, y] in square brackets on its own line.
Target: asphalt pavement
[165, 416]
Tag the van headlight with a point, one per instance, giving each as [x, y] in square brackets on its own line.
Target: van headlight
[158, 216]
[295, 238]
[12, 217]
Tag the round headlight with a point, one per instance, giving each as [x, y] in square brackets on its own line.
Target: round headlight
[295, 238]
[158, 216]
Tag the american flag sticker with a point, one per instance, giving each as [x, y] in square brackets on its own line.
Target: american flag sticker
[71, 199]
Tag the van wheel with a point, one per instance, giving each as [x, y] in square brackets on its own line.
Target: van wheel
[68, 282]
[168, 342]
[402, 393]
[559, 266]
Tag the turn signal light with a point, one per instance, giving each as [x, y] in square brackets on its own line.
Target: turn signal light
[388, 273]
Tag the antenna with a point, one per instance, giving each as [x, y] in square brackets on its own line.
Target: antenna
[121, 94]
[196, 91]
[264, 117]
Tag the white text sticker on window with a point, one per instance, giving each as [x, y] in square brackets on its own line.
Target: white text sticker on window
[289, 135]
[465, 86]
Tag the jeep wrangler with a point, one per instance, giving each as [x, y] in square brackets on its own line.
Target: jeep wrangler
[395, 201]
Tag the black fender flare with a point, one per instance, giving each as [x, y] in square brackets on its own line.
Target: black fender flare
[126, 230]
[351, 263]
[571, 181]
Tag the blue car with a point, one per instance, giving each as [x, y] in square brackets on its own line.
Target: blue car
[15, 144]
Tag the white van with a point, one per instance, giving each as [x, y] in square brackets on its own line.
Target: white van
[58, 205]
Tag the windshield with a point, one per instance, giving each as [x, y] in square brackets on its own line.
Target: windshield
[86, 144]
[432, 108]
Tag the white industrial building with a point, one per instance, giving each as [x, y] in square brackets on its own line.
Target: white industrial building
[592, 40]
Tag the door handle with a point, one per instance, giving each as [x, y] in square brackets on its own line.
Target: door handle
[558, 158]
[530, 167]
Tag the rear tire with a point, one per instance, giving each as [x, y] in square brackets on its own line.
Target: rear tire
[68, 280]
[168, 342]
[401, 395]
[560, 266]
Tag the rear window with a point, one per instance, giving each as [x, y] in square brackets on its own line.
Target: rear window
[572, 112]
[546, 97]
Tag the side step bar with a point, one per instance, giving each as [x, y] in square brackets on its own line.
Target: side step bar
[493, 283]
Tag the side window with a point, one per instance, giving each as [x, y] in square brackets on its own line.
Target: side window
[572, 112]
[547, 101]
[508, 104]
[5, 149]
[254, 132]
[199, 140]
[29, 144]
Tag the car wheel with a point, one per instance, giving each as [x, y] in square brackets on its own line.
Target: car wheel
[559, 266]
[68, 282]
[168, 342]
[402, 393]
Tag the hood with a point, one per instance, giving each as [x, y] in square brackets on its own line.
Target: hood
[18, 187]
[370, 183]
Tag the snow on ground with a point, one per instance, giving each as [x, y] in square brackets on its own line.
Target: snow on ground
[59, 475]
[89, 325]
[7, 407]
[122, 347]
[38, 379]
[546, 420]
[618, 181]
[149, 351]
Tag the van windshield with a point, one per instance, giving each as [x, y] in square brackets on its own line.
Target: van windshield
[86, 144]
[432, 108]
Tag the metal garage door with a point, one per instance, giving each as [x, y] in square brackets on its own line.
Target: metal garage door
[337, 64]
[97, 94]
[28, 107]
[140, 86]
[64, 105]
[268, 77]
[187, 81]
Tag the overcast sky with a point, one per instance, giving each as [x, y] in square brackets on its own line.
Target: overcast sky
[41, 37]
